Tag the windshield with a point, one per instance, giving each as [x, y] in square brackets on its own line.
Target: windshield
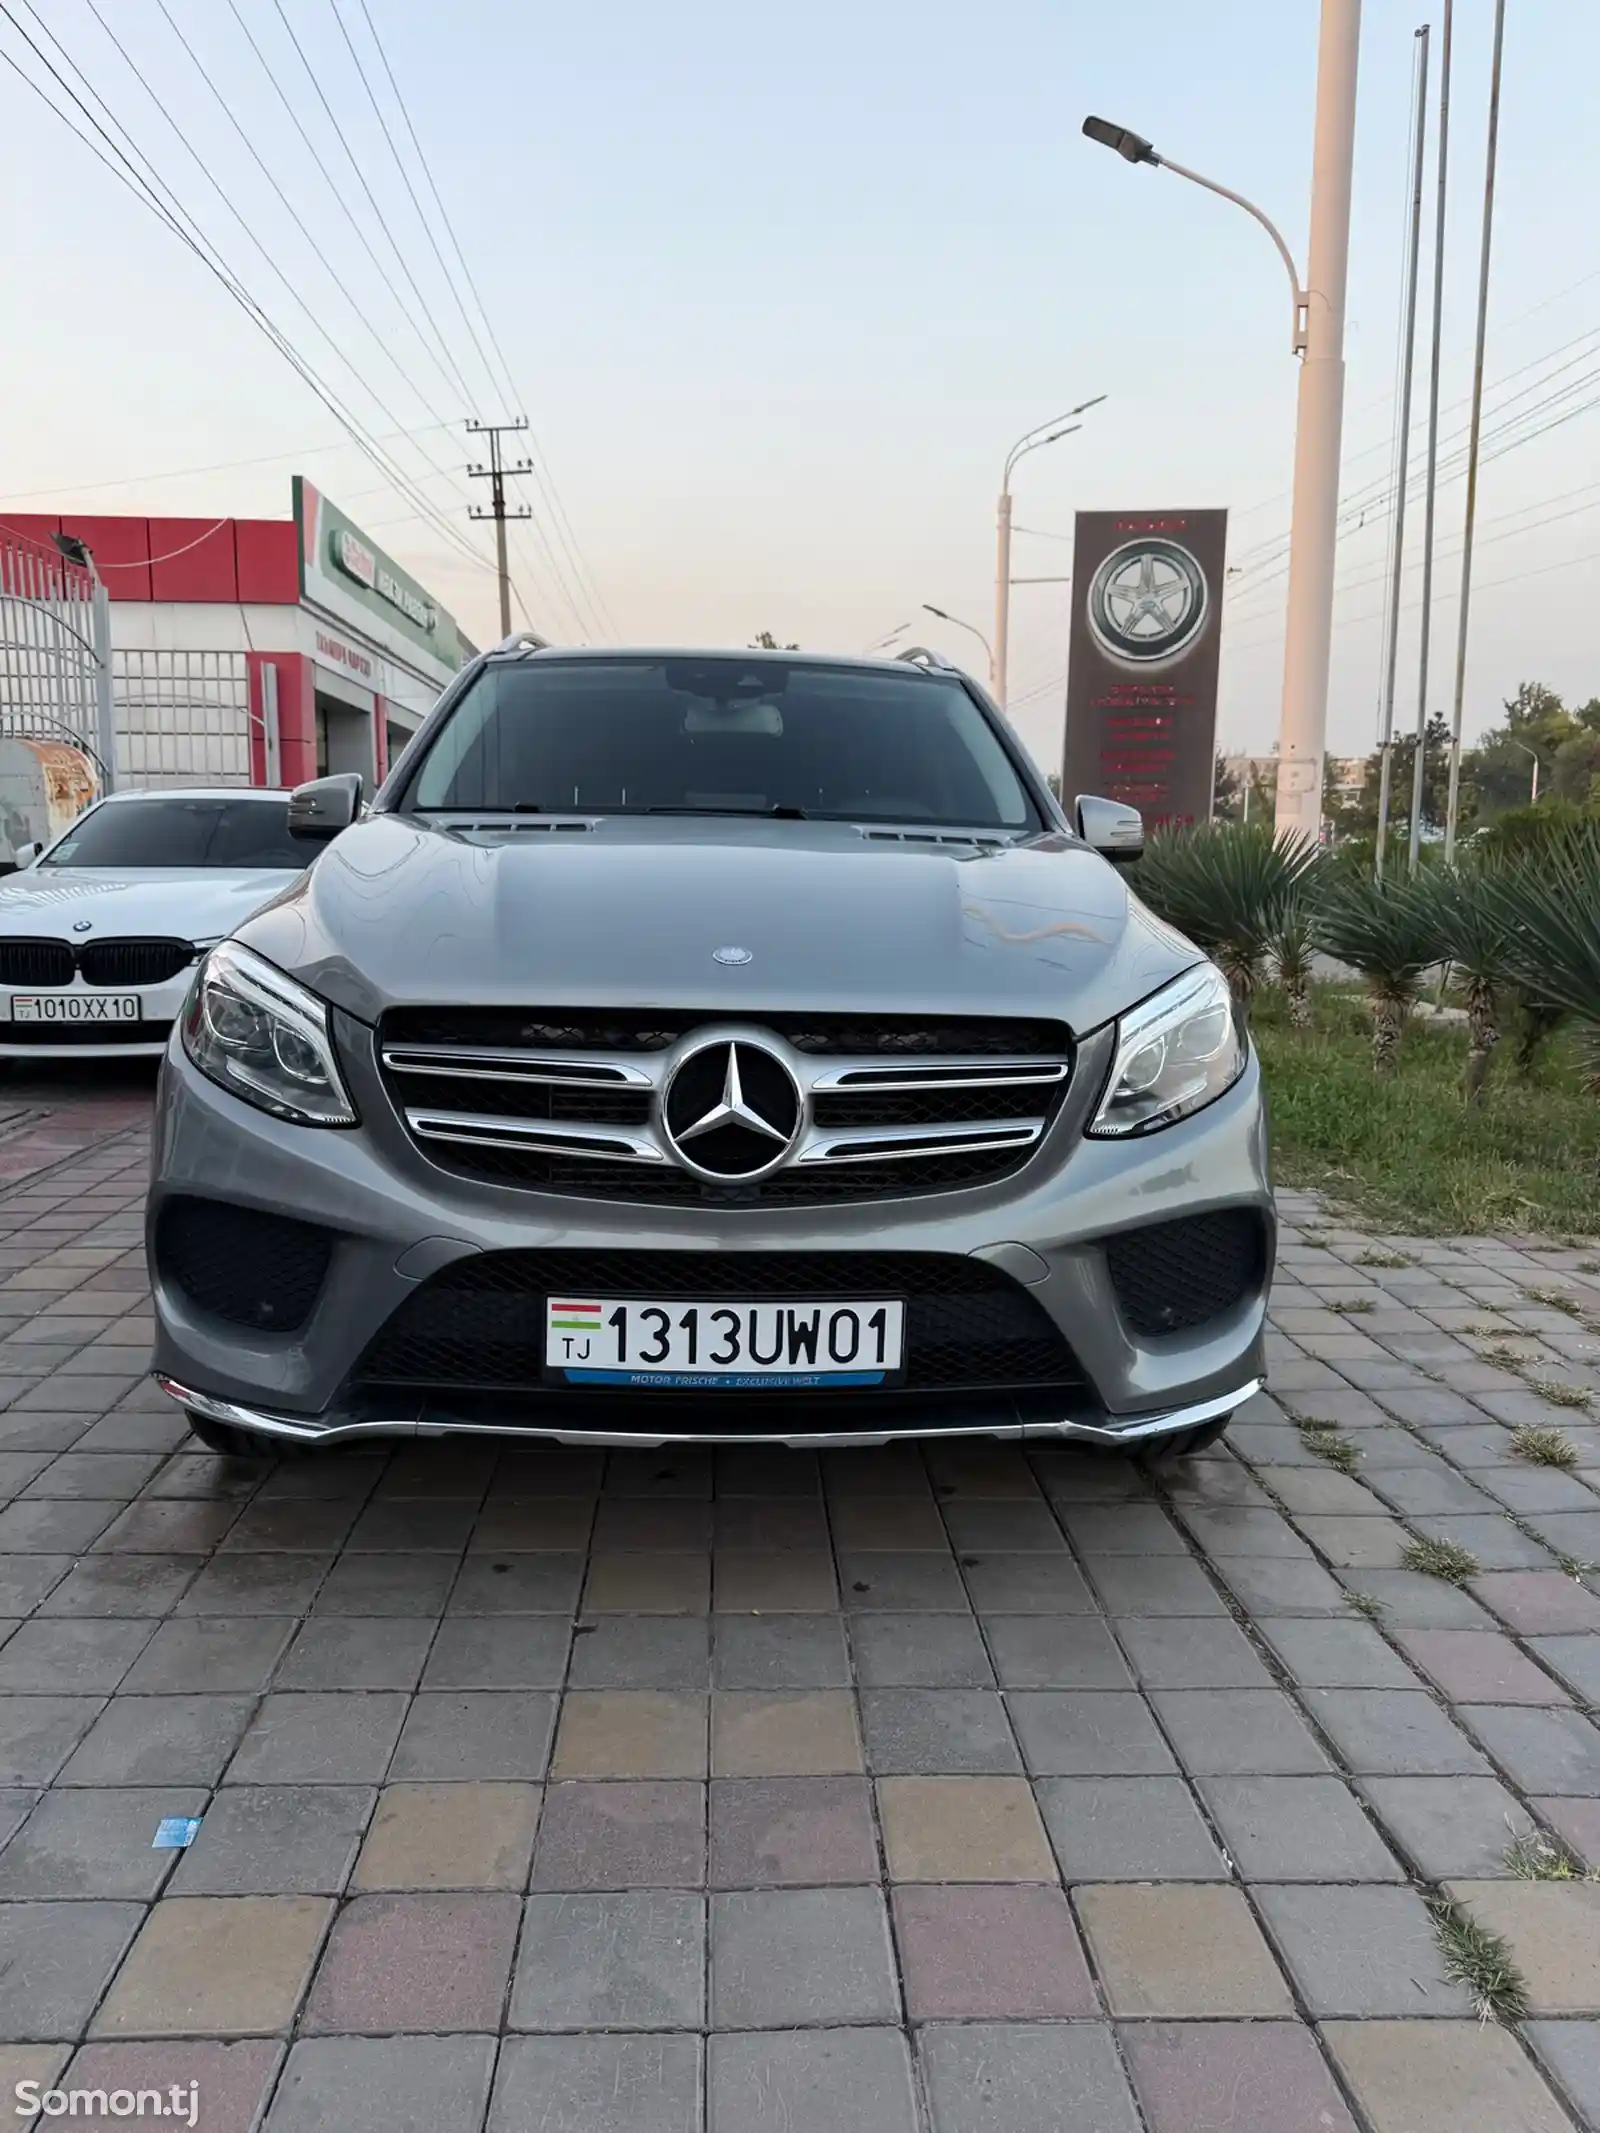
[724, 735]
[177, 832]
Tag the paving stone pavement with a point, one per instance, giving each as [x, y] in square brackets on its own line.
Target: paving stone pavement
[943, 1790]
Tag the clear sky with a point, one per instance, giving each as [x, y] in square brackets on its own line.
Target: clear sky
[778, 287]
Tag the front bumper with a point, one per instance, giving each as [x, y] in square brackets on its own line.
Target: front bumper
[160, 1006]
[400, 1219]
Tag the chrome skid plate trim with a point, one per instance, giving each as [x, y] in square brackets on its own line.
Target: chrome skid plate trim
[1116, 1430]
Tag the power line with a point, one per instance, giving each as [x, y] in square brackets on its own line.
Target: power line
[175, 217]
[217, 466]
[546, 482]
[206, 172]
[427, 309]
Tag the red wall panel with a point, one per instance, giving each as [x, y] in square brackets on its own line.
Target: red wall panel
[204, 570]
[121, 551]
[32, 525]
[268, 554]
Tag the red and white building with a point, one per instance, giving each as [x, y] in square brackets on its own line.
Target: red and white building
[258, 651]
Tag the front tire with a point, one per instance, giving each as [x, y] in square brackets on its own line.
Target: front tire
[225, 1440]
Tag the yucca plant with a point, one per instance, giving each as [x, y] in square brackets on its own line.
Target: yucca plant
[1389, 932]
[1550, 912]
[1292, 944]
[1473, 932]
[1224, 885]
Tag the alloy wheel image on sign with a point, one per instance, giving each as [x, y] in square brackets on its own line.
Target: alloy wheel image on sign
[1147, 601]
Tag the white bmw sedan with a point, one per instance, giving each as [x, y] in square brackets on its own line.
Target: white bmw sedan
[100, 933]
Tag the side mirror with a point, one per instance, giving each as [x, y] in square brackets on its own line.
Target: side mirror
[1107, 827]
[320, 810]
[26, 854]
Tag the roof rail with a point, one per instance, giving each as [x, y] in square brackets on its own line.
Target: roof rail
[523, 641]
[919, 655]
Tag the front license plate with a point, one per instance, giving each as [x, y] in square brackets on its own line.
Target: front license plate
[76, 1007]
[723, 1346]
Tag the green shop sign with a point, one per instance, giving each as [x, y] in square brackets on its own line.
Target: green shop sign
[337, 552]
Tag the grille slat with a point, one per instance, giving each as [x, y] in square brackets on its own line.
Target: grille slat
[992, 1084]
[105, 963]
[1170, 1277]
[36, 963]
[479, 1324]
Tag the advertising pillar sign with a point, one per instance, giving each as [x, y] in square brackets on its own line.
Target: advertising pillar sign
[1142, 660]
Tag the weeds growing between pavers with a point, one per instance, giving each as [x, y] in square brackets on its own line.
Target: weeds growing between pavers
[1535, 1855]
[1441, 1559]
[1325, 1442]
[1557, 1393]
[1544, 1447]
[1480, 1961]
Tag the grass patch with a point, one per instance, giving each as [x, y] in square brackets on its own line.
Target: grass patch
[1353, 1307]
[1365, 1603]
[1482, 1332]
[1407, 1153]
[1556, 1300]
[1327, 1444]
[1503, 1354]
[1543, 1447]
[1481, 1961]
[1588, 1266]
[1380, 1255]
[1441, 1559]
[1557, 1394]
[1537, 1856]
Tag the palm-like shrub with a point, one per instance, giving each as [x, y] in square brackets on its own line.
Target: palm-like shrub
[1226, 885]
[1292, 944]
[1389, 932]
[1474, 935]
[1550, 913]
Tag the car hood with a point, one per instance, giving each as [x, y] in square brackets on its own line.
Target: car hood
[630, 912]
[94, 903]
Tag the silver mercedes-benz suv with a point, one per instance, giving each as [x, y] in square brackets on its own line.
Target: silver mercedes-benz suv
[717, 1046]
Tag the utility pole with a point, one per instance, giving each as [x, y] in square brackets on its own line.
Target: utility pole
[1319, 419]
[1319, 422]
[495, 474]
[1419, 762]
[1453, 807]
[1409, 339]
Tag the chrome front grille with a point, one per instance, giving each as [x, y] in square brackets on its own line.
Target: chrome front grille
[889, 1106]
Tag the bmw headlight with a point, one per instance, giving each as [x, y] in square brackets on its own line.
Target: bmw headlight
[1175, 1054]
[265, 1038]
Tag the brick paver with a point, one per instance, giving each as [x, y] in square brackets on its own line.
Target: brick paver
[957, 1789]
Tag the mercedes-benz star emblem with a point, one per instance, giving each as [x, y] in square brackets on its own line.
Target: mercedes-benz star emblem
[731, 956]
[1147, 601]
[731, 1111]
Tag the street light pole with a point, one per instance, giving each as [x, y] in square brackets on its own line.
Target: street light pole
[1533, 797]
[1319, 340]
[1041, 434]
[971, 629]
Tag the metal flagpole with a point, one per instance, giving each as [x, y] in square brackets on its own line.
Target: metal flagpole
[1419, 764]
[1409, 336]
[1454, 807]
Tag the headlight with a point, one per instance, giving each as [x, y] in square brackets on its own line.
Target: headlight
[1175, 1054]
[265, 1038]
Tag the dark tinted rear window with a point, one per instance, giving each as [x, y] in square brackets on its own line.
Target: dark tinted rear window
[175, 832]
[724, 734]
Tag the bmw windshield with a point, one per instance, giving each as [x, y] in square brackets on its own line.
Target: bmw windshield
[177, 832]
[724, 735]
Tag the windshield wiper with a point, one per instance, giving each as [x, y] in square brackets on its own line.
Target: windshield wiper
[764, 814]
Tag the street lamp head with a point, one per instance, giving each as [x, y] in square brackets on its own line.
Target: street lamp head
[929, 609]
[1131, 145]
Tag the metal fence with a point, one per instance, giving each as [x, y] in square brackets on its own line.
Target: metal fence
[55, 645]
[182, 718]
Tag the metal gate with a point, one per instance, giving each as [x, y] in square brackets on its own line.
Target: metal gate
[182, 718]
[55, 650]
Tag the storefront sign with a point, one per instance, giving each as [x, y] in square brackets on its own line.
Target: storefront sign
[1142, 661]
[350, 577]
[343, 655]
